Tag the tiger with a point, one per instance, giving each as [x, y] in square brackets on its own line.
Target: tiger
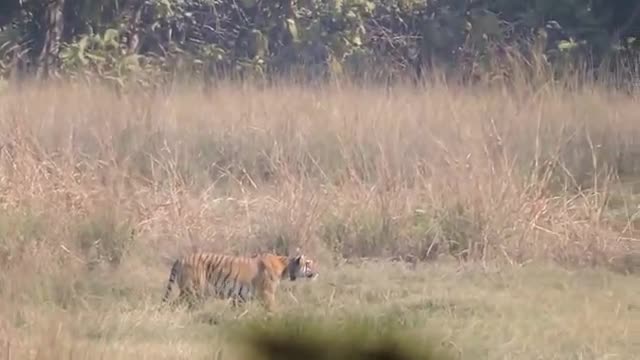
[238, 278]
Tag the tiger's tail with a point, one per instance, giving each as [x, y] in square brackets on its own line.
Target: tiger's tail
[172, 279]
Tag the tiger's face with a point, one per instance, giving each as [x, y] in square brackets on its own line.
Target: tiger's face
[301, 267]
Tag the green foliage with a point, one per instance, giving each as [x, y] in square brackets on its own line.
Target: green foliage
[257, 38]
[103, 56]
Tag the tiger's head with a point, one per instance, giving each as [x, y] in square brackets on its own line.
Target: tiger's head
[301, 267]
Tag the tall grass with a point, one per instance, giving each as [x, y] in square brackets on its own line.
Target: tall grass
[479, 172]
[100, 190]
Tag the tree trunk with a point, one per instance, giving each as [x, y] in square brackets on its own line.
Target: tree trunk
[52, 22]
[134, 22]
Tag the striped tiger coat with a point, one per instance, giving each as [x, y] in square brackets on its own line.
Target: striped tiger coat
[238, 278]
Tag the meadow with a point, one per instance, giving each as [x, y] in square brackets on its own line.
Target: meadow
[501, 222]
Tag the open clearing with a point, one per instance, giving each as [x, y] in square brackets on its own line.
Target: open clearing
[534, 312]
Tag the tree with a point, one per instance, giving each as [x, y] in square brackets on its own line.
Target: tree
[50, 19]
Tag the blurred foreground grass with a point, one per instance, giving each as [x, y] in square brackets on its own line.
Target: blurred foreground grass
[298, 338]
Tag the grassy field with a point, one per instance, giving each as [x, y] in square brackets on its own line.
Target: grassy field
[534, 312]
[534, 185]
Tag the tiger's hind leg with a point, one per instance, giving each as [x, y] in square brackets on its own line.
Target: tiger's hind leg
[238, 301]
[178, 302]
[190, 299]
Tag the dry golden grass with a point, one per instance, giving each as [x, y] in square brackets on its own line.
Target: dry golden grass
[100, 191]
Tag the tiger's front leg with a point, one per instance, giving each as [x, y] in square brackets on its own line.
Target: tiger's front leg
[270, 302]
[268, 295]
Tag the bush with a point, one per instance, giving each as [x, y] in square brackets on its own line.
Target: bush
[368, 39]
[104, 238]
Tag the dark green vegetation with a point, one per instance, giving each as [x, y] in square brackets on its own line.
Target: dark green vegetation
[363, 38]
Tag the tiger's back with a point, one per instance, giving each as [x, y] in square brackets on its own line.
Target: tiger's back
[239, 278]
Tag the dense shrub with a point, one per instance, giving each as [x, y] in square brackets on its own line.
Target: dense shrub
[362, 38]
